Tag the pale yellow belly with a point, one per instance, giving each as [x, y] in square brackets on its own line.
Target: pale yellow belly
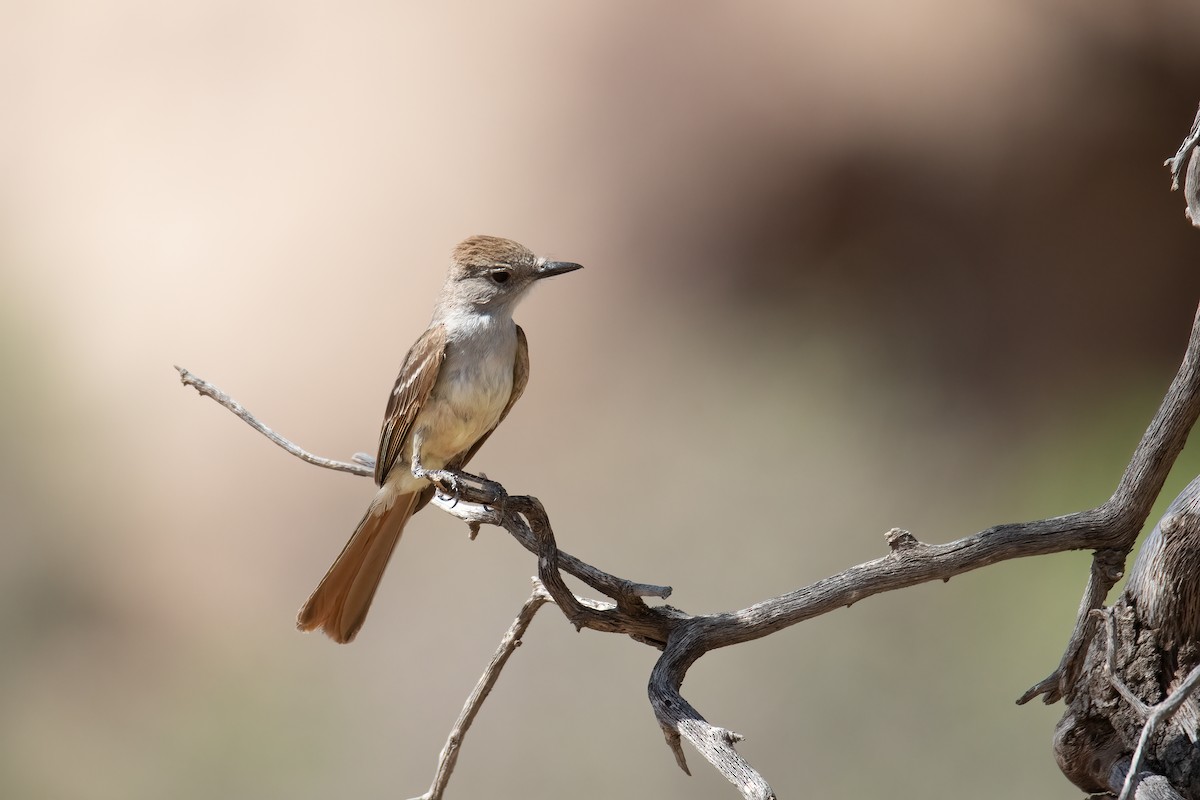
[458, 415]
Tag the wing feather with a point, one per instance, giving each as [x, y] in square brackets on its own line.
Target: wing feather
[413, 385]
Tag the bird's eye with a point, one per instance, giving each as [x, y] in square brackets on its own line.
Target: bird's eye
[500, 275]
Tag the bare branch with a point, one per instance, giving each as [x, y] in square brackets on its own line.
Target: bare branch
[1145, 786]
[474, 506]
[208, 390]
[684, 638]
[1107, 568]
[1109, 529]
[678, 718]
[619, 589]
[508, 644]
[1155, 716]
[1186, 158]
[1158, 715]
[1130, 505]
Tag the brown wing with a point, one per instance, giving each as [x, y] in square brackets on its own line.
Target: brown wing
[413, 385]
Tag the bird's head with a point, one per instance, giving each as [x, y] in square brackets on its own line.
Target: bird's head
[489, 272]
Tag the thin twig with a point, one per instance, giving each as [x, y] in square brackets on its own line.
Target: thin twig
[1159, 715]
[475, 506]
[1186, 158]
[508, 644]
[1108, 566]
[1178, 161]
[685, 638]
[1109, 529]
[208, 390]
[1154, 716]
[1110, 665]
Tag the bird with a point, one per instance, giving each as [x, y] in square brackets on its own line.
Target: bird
[457, 383]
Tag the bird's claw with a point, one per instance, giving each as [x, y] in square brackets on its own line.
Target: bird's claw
[447, 484]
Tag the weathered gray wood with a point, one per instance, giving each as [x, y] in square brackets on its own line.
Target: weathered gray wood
[685, 638]
[508, 645]
[1128, 691]
[1146, 786]
[1186, 163]
[1135, 692]
[1164, 583]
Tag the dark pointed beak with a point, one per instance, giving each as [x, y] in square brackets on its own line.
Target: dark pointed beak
[552, 268]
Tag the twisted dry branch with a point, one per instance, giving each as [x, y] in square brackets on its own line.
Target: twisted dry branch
[1155, 716]
[1110, 529]
[1186, 164]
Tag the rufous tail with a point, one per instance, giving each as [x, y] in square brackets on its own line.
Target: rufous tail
[339, 604]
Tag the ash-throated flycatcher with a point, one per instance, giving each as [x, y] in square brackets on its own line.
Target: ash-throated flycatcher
[458, 383]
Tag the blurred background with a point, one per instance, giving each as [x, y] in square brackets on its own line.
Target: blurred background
[849, 266]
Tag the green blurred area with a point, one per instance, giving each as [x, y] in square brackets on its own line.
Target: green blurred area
[840, 278]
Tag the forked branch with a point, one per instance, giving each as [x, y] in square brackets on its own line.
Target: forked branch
[1186, 164]
[1109, 529]
[508, 645]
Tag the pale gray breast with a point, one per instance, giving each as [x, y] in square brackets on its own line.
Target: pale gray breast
[473, 388]
[479, 360]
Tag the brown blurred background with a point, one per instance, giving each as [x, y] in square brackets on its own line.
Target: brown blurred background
[849, 266]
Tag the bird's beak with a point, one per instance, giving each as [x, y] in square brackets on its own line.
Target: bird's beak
[549, 269]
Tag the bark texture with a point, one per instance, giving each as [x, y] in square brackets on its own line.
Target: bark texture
[1146, 646]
